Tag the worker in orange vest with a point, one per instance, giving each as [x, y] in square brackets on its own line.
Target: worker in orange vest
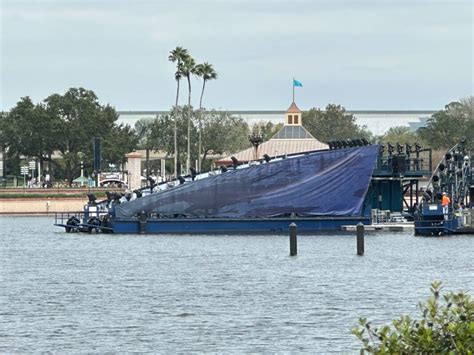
[445, 201]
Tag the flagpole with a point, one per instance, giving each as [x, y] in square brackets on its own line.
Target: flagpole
[293, 84]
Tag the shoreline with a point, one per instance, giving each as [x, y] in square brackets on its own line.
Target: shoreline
[46, 202]
[40, 205]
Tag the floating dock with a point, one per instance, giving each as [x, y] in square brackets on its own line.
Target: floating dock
[386, 227]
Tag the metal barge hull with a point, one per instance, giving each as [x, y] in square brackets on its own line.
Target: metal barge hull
[232, 225]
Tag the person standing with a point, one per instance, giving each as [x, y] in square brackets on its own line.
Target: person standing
[445, 201]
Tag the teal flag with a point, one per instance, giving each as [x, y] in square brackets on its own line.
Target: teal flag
[297, 83]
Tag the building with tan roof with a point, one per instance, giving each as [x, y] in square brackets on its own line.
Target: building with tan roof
[291, 138]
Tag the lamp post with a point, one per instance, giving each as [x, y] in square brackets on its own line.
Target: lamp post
[82, 173]
[32, 167]
[2, 165]
[256, 139]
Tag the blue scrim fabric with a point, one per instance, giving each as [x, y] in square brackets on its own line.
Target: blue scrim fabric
[329, 183]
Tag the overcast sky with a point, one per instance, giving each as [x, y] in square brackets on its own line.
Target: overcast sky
[363, 54]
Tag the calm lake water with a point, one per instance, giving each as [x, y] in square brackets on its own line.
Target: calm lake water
[101, 293]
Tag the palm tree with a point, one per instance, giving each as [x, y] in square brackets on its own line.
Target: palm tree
[177, 55]
[188, 69]
[206, 72]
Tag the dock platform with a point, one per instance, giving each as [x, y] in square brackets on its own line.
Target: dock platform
[387, 227]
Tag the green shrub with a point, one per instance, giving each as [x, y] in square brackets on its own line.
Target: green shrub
[446, 326]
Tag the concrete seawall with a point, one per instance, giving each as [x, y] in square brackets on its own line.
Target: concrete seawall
[34, 206]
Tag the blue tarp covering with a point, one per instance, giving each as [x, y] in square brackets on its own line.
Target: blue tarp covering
[329, 183]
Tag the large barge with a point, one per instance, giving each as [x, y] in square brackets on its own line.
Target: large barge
[319, 191]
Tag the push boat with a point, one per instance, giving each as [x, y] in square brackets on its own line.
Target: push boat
[319, 191]
[453, 175]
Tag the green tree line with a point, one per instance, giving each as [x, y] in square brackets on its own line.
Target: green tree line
[443, 130]
[64, 125]
[220, 133]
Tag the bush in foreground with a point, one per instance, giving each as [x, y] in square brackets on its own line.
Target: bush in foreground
[446, 326]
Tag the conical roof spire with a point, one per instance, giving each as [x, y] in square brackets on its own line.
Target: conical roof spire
[293, 108]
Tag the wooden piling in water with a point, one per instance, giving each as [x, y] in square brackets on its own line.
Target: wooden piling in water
[142, 222]
[293, 239]
[360, 239]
